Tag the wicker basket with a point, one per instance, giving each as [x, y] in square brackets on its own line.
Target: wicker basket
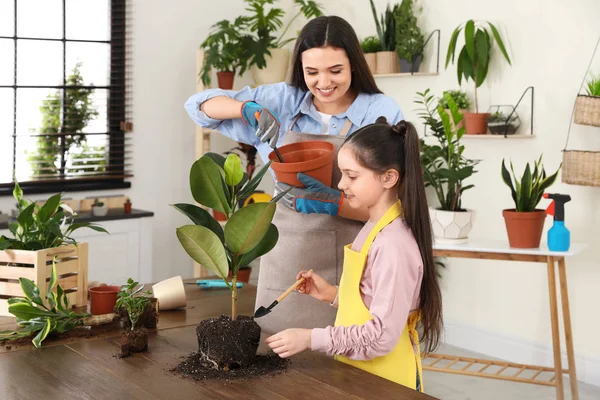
[587, 110]
[581, 167]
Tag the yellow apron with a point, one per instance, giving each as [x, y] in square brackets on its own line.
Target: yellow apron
[401, 365]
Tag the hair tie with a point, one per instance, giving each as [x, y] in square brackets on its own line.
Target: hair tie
[400, 128]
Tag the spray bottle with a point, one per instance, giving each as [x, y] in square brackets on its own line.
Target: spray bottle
[559, 237]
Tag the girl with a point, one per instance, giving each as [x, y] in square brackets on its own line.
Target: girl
[330, 95]
[389, 281]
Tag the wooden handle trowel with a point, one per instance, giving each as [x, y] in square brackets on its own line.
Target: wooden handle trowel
[262, 311]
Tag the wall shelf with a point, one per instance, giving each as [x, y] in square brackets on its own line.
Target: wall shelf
[399, 74]
[490, 136]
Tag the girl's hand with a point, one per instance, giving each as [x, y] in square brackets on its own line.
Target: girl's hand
[316, 286]
[289, 342]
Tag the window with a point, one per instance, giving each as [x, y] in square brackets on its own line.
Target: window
[63, 95]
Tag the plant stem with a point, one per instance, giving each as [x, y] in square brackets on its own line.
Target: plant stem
[234, 298]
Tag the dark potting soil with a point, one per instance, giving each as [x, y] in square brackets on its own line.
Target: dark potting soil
[133, 341]
[227, 350]
[148, 319]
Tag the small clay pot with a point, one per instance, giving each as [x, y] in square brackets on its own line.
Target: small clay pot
[524, 229]
[103, 299]
[127, 208]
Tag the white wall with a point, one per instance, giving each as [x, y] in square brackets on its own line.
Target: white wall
[550, 46]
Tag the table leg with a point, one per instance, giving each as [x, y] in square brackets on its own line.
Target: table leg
[555, 333]
[564, 295]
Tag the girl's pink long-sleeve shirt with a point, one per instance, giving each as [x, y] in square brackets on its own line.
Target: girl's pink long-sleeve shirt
[390, 289]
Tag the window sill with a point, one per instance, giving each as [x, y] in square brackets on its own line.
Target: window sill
[65, 186]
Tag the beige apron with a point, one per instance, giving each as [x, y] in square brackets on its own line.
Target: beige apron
[305, 241]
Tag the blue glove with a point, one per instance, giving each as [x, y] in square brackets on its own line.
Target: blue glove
[263, 120]
[315, 199]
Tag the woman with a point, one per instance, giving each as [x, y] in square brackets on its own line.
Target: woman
[332, 93]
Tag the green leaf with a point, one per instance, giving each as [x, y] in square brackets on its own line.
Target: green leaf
[507, 179]
[25, 218]
[483, 57]
[206, 183]
[60, 294]
[499, 41]
[470, 39]
[467, 65]
[255, 181]
[200, 216]
[37, 341]
[217, 158]
[266, 244]
[26, 311]
[49, 208]
[233, 170]
[247, 226]
[525, 190]
[205, 247]
[452, 46]
[31, 291]
[78, 225]
[280, 195]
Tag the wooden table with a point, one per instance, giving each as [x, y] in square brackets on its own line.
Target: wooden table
[88, 368]
[500, 250]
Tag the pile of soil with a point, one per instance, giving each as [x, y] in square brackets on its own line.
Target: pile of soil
[227, 350]
[133, 341]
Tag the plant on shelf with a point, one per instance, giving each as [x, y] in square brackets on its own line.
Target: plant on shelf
[133, 302]
[99, 209]
[592, 87]
[500, 123]
[410, 41]
[473, 62]
[43, 316]
[445, 168]
[524, 223]
[219, 183]
[42, 227]
[387, 59]
[127, 206]
[370, 44]
[460, 99]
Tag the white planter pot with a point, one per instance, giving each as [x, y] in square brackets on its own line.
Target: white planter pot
[99, 211]
[276, 69]
[450, 226]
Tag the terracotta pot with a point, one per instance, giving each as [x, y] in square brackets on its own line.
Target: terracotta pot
[276, 69]
[311, 157]
[476, 123]
[225, 80]
[103, 299]
[243, 275]
[524, 229]
[371, 61]
[127, 208]
[451, 226]
[387, 62]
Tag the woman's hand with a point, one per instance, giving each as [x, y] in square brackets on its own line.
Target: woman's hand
[314, 285]
[289, 342]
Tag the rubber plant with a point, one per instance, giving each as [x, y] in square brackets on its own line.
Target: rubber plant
[474, 57]
[44, 316]
[219, 183]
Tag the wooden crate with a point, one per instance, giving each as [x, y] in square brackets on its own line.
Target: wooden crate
[71, 270]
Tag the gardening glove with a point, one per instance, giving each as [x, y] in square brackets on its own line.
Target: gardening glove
[316, 198]
[263, 120]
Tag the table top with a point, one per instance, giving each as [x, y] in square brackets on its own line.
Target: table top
[77, 367]
[502, 246]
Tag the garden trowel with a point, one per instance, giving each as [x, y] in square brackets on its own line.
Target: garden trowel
[262, 311]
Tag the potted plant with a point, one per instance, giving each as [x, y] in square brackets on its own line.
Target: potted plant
[219, 183]
[587, 107]
[473, 62]
[501, 124]
[525, 223]
[227, 50]
[127, 206]
[270, 60]
[39, 233]
[460, 99]
[387, 59]
[409, 38]
[99, 209]
[445, 169]
[42, 315]
[370, 46]
[134, 302]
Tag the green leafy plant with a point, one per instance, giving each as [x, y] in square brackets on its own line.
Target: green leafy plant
[501, 117]
[42, 315]
[226, 48]
[219, 183]
[42, 227]
[409, 38]
[128, 201]
[64, 116]
[131, 299]
[386, 27]
[474, 57]
[460, 99]
[97, 203]
[264, 23]
[445, 168]
[593, 86]
[370, 44]
[528, 191]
